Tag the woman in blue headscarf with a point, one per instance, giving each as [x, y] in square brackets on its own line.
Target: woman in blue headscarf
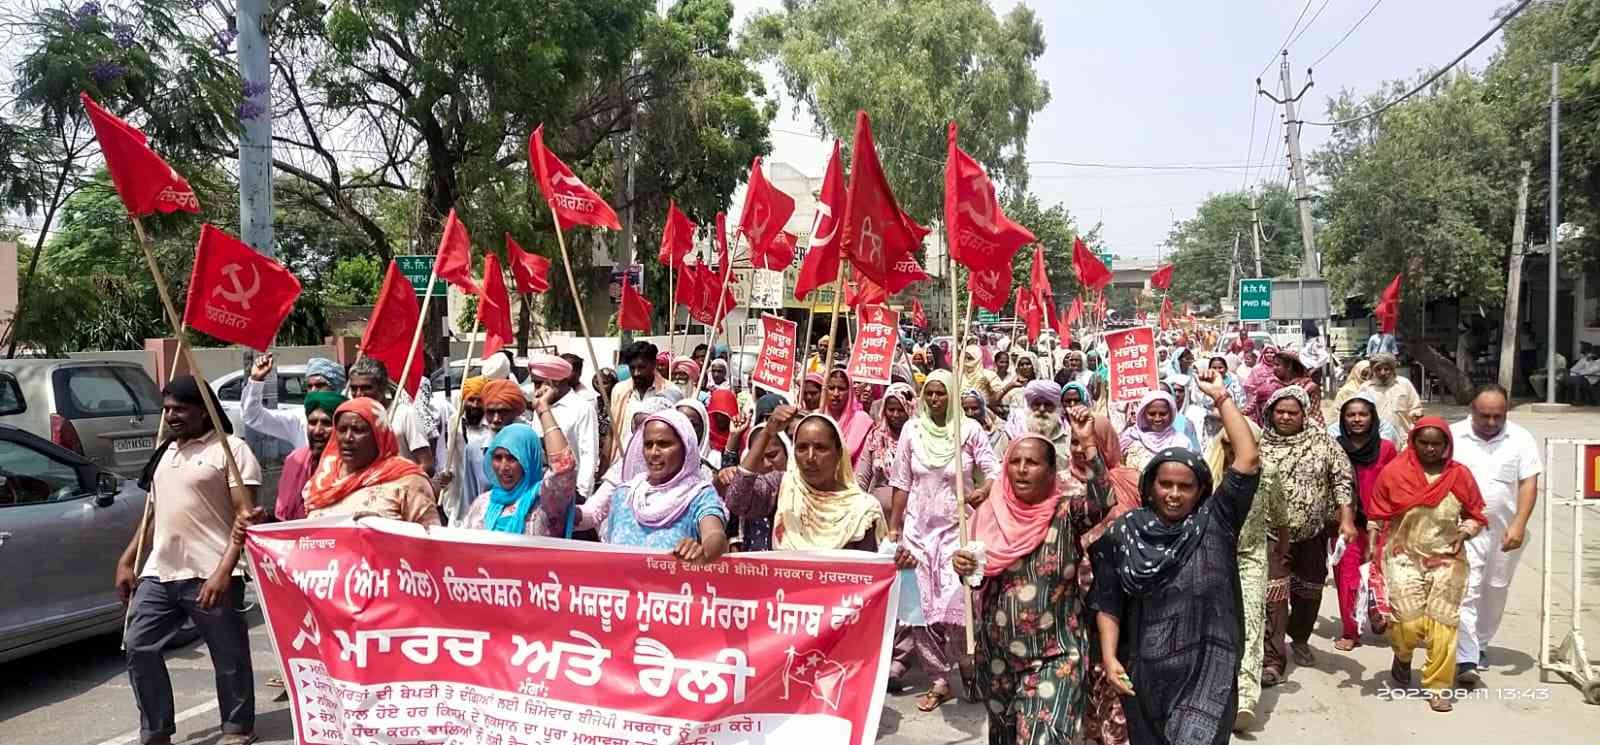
[523, 498]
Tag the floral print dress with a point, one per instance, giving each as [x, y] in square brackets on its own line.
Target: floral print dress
[1033, 651]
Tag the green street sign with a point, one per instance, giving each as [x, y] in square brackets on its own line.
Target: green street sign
[417, 269]
[1255, 299]
[1105, 258]
[985, 316]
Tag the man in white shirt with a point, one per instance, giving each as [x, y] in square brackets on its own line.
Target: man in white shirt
[193, 568]
[370, 379]
[573, 412]
[1504, 460]
[1583, 378]
[288, 424]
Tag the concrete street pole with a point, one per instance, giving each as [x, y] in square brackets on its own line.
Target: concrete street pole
[255, 138]
[1555, 222]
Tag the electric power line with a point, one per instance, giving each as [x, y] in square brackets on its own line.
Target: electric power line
[1285, 43]
[1303, 29]
[1251, 147]
[1347, 33]
[1436, 75]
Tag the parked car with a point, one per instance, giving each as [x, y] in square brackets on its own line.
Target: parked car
[269, 450]
[105, 411]
[64, 521]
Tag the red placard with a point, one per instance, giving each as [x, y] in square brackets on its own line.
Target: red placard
[873, 353]
[1131, 355]
[390, 632]
[775, 364]
[1591, 471]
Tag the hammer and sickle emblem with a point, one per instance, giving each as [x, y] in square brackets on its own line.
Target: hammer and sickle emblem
[239, 294]
[824, 212]
[984, 219]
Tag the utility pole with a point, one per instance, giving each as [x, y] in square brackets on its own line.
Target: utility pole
[1508, 326]
[255, 141]
[1555, 222]
[1309, 263]
[1233, 267]
[1255, 232]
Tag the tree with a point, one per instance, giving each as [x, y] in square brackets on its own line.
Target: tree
[1424, 190]
[913, 65]
[1201, 245]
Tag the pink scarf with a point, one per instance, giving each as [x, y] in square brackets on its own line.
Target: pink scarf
[855, 422]
[1009, 527]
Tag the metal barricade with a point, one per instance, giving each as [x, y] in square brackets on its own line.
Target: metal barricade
[1570, 659]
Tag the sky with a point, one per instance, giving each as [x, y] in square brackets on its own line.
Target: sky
[1166, 83]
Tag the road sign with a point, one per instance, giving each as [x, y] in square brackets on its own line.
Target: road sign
[417, 269]
[1105, 258]
[635, 280]
[986, 316]
[1255, 299]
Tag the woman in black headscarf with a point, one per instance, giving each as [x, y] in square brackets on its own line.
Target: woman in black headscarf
[1166, 591]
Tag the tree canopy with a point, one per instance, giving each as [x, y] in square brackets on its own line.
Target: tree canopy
[1201, 245]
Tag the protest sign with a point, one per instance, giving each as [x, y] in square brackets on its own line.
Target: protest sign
[766, 289]
[390, 632]
[1132, 359]
[873, 353]
[775, 364]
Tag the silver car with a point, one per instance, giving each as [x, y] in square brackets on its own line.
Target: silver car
[64, 521]
[106, 411]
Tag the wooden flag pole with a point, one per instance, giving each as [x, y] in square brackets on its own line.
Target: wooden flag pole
[800, 365]
[206, 395]
[953, 398]
[452, 447]
[717, 321]
[672, 308]
[833, 323]
[416, 338]
[577, 304]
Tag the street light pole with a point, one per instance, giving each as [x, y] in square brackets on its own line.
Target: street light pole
[1555, 222]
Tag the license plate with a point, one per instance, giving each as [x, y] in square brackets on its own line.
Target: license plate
[130, 444]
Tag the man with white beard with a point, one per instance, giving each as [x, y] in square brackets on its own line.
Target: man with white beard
[1042, 416]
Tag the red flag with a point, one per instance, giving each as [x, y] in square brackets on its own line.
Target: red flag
[1030, 311]
[573, 202]
[236, 294]
[724, 259]
[778, 255]
[709, 311]
[677, 238]
[990, 289]
[1091, 272]
[877, 236]
[144, 181]
[392, 326]
[494, 307]
[635, 313]
[1039, 279]
[1388, 310]
[1076, 311]
[918, 317]
[821, 263]
[1162, 279]
[863, 291]
[1064, 330]
[453, 262]
[766, 210]
[980, 235]
[1391, 294]
[1165, 319]
[530, 271]
[687, 293]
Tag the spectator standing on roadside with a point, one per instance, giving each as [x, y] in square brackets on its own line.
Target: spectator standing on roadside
[1504, 460]
[193, 569]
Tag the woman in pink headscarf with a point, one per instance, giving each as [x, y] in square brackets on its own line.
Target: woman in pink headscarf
[840, 403]
[1151, 430]
[811, 392]
[1261, 383]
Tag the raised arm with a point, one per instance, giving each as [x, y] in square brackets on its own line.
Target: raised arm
[288, 426]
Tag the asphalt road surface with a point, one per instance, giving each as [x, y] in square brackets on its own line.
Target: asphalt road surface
[80, 694]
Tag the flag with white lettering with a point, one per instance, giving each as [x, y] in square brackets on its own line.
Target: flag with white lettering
[236, 294]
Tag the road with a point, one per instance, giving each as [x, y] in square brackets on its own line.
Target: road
[80, 694]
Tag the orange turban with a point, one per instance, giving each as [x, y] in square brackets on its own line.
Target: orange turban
[473, 387]
[503, 394]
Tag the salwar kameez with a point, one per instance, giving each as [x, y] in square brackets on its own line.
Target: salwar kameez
[1032, 652]
[1426, 582]
[1267, 508]
[930, 535]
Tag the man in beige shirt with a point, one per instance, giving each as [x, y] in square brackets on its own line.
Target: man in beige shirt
[193, 569]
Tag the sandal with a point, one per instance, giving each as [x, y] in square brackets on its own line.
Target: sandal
[1300, 652]
[1346, 644]
[1270, 678]
[1439, 703]
[933, 699]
